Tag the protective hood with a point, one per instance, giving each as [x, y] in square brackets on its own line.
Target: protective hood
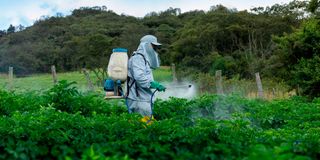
[150, 54]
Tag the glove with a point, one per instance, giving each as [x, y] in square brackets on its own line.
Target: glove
[156, 85]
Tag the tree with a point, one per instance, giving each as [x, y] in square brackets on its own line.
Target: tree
[241, 36]
[11, 29]
[313, 6]
[299, 53]
[2, 33]
[239, 42]
[20, 28]
[306, 75]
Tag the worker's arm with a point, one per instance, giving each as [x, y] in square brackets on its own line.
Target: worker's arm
[139, 72]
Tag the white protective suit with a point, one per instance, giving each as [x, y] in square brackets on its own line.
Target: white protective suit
[140, 76]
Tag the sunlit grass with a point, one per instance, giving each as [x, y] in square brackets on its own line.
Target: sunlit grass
[246, 88]
[163, 74]
[45, 81]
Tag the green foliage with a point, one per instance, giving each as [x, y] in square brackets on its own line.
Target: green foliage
[297, 54]
[314, 6]
[306, 76]
[86, 37]
[65, 97]
[227, 64]
[208, 127]
[11, 29]
[240, 43]
[62, 96]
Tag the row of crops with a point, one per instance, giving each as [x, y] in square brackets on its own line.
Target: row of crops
[62, 123]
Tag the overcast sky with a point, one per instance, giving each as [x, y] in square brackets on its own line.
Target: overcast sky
[25, 12]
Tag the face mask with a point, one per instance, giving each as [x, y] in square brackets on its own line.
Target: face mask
[153, 57]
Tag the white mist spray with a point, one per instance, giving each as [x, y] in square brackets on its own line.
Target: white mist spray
[179, 90]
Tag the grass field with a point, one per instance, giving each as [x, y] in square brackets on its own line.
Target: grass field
[45, 81]
[205, 84]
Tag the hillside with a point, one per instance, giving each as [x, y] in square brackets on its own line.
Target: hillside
[240, 43]
[87, 36]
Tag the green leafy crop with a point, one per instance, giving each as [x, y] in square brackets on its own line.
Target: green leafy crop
[62, 123]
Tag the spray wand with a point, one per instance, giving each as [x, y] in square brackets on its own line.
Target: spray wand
[180, 86]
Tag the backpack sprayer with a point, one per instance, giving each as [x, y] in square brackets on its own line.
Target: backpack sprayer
[118, 72]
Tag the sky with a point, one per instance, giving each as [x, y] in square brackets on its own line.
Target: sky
[26, 12]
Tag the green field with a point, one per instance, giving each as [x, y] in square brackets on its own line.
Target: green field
[45, 81]
[204, 84]
[62, 123]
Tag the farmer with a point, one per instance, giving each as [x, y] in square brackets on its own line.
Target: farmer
[140, 77]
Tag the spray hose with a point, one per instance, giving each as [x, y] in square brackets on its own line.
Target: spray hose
[151, 105]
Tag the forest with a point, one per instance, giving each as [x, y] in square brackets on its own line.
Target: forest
[282, 41]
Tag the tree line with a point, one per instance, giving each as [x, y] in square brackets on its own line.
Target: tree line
[280, 41]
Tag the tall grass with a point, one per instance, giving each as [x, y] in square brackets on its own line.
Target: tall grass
[163, 74]
[244, 87]
[205, 83]
[45, 81]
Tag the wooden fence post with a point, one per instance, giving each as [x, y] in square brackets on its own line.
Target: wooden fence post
[273, 93]
[10, 78]
[259, 84]
[54, 74]
[86, 74]
[219, 82]
[174, 75]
